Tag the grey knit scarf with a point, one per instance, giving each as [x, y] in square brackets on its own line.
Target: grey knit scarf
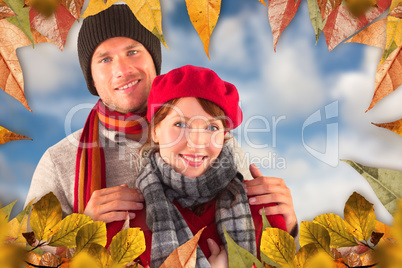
[161, 185]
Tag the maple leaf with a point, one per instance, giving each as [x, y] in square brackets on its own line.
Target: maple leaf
[388, 77]
[21, 20]
[54, 27]
[11, 79]
[204, 16]
[6, 136]
[280, 14]
[373, 35]
[395, 126]
[74, 7]
[5, 11]
[341, 24]
[327, 6]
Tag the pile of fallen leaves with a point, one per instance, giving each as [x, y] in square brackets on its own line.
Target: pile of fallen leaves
[77, 241]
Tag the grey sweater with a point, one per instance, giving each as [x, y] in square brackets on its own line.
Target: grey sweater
[56, 169]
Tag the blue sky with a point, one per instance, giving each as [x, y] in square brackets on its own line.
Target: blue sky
[280, 92]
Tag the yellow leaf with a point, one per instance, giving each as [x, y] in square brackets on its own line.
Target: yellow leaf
[335, 225]
[11, 79]
[394, 37]
[100, 255]
[7, 209]
[320, 260]
[16, 229]
[304, 254]
[395, 126]
[204, 15]
[185, 255]
[94, 7]
[278, 245]
[3, 226]
[311, 232]
[11, 256]
[84, 260]
[7, 135]
[69, 226]
[384, 229]
[396, 230]
[148, 13]
[394, 4]
[127, 245]
[91, 233]
[359, 214]
[46, 216]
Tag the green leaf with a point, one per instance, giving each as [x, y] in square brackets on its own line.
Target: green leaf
[7, 210]
[127, 245]
[359, 216]
[21, 20]
[46, 216]
[69, 226]
[266, 260]
[304, 254]
[91, 233]
[278, 245]
[311, 232]
[386, 183]
[336, 226]
[316, 18]
[238, 256]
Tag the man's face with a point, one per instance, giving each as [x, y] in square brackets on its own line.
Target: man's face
[123, 72]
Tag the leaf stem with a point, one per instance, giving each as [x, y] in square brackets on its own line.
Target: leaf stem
[40, 266]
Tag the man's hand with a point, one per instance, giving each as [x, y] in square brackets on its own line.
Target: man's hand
[111, 204]
[264, 190]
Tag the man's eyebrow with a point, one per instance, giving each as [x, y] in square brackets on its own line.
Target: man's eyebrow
[105, 54]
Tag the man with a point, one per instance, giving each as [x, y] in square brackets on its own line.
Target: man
[92, 171]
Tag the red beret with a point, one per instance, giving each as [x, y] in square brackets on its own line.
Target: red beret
[197, 82]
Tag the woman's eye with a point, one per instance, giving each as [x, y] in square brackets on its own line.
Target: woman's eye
[212, 128]
[180, 124]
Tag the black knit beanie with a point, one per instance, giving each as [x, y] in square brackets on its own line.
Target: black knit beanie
[117, 20]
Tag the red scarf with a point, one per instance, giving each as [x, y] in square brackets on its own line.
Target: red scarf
[90, 173]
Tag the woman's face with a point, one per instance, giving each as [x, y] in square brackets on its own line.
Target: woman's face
[189, 138]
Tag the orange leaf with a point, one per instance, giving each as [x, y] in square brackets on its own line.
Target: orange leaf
[353, 260]
[54, 27]
[11, 38]
[74, 7]
[280, 14]
[49, 260]
[388, 77]
[262, 1]
[395, 126]
[374, 35]
[341, 23]
[32, 258]
[184, 256]
[368, 258]
[327, 6]
[5, 11]
[6, 136]
[204, 16]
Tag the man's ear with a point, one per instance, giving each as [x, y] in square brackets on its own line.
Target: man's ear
[155, 132]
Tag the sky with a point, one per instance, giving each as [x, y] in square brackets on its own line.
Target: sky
[304, 107]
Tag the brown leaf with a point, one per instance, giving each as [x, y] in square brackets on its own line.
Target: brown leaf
[353, 260]
[373, 35]
[341, 24]
[32, 258]
[327, 6]
[74, 7]
[280, 14]
[356, 249]
[359, 7]
[49, 260]
[395, 126]
[369, 258]
[44, 7]
[204, 16]
[375, 238]
[6, 136]
[54, 27]
[184, 256]
[30, 238]
[11, 79]
[388, 77]
[5, 11]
